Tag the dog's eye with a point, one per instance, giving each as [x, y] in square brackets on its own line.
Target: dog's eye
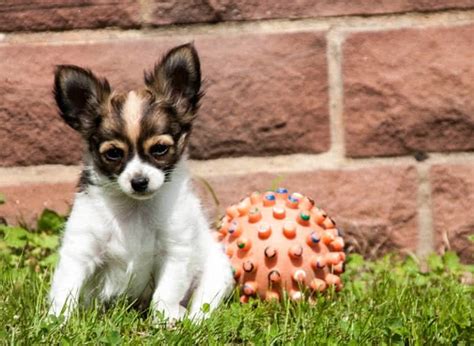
[114, 154]
[159, 149]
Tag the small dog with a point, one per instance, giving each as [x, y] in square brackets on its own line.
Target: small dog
[136, 228]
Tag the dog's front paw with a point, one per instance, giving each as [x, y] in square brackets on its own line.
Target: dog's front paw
[168, 315]
[198, 317]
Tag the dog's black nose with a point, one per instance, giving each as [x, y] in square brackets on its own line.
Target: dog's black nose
[139, 184]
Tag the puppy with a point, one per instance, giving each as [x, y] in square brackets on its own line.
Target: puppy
[136, 227]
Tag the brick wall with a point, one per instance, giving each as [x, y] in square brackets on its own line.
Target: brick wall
[367, 106]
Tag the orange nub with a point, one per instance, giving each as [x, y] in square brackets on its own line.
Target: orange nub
[332, 280]
[306, 203]
[232, 211]
[299, 275]
[244, 299]
[279, 213]
[235, 229]
[274, 277]
[270, 252]
[313, 238]
[255, 197]
[338, 268]
[318, 285]
[289, 229]
[249, 266]
[282, 193]
[272, 295]
[223, 228]
[303, 218]
[329, 223]
[319, 216]
[264, 230]
[317, 262]
[333, 231]
[229, 251]
[337, 244]
[250, 288]
[295, 251]
[243, 207]
[297, 195]
[292, 202]
[327, 237]
[244, 244]
[255, 215]
[333, 258]
[218, 236]
[343, 256]
[237, 272]
[296, 295]
[269, 199]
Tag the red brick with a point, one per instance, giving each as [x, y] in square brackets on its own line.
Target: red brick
[25, 202]
[266, 94]
[453, 208]
[376, 207]
[175, 11]
[409, 90]
[37, 15]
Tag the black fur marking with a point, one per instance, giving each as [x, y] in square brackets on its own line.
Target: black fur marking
[177, 78]
[79, 96]
[84, 181]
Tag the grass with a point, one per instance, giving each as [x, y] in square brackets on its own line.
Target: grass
[388, 301]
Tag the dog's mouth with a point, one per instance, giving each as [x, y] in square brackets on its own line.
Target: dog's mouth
[141, 196]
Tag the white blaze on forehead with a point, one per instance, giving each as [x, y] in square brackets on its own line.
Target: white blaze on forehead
[132, 113]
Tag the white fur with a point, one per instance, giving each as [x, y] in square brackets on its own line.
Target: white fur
[159, 248]
[137, 167]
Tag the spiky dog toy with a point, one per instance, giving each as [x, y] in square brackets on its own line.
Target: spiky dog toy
[280, 242]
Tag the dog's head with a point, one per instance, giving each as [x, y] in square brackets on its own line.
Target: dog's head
[135, 139]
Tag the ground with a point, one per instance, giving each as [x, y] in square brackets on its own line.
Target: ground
[388, 301]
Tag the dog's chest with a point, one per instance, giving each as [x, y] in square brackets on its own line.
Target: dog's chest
[129, 258]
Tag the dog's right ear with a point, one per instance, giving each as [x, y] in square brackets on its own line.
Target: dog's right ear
[79, 95]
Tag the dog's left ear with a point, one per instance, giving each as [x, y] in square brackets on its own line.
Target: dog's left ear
[177, 78]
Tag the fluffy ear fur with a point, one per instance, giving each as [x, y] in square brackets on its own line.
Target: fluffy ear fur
[79, 95]
[177, 78]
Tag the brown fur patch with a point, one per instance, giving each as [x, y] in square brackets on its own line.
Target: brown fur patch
[161, 139]
[104, 146]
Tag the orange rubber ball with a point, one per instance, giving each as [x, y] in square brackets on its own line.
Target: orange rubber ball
[278, 243]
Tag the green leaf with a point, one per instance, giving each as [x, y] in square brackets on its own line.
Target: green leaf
[435, 263]
[275, 183]
[471, 237]
[2, 198]
[114, 338]
[50, 260]
[355, 260]
[50, 221]
[15, 237]
[43, 240]
[205, 308]
[451, 260]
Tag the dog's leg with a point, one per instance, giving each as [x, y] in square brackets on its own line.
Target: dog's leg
[216, 283]
[172, 285]
[79, 255]
[67, 283]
